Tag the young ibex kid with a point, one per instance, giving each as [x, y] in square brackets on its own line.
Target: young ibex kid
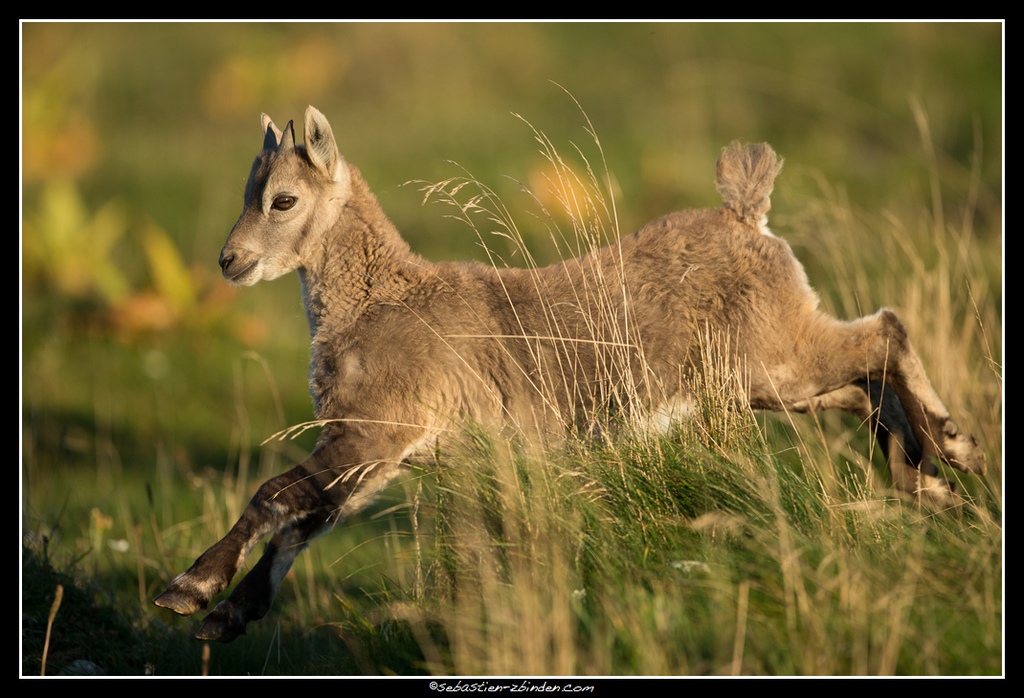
[405, 350]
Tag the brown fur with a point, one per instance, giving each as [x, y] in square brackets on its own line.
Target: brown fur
[405, 350]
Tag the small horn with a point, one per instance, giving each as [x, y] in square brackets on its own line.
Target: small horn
[287, 138]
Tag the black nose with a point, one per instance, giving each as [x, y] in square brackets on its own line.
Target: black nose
[226, 260]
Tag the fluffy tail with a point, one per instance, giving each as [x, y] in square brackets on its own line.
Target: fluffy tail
[746, 177]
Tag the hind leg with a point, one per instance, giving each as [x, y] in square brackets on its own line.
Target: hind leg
[828, 355]
[929, 420]
[883, 412]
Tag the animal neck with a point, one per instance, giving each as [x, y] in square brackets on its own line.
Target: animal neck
[360, 261]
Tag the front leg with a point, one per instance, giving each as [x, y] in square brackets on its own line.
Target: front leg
[337, 480]
[252, 598]
[277, 502]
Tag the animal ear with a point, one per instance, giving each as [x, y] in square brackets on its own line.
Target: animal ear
[271, 133]
[320, 144]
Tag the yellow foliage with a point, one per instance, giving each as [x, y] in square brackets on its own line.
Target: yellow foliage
[171, 279]
[69, 250]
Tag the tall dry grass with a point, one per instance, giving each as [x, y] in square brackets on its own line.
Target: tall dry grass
[739, 543]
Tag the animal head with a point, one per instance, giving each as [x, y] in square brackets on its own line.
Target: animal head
[294, 194]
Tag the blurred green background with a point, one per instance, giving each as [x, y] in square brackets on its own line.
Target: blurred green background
[137, 139]
[142, 368]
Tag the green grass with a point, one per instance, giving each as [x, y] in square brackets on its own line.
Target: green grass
[667, 559]
[647, 557]
[737, 544]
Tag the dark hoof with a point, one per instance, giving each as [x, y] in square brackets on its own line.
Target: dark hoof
[179, 601]
[223, 625]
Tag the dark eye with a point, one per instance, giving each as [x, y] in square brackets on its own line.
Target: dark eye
[283, 203]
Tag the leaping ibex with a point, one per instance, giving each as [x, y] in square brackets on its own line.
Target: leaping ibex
[404, 349]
